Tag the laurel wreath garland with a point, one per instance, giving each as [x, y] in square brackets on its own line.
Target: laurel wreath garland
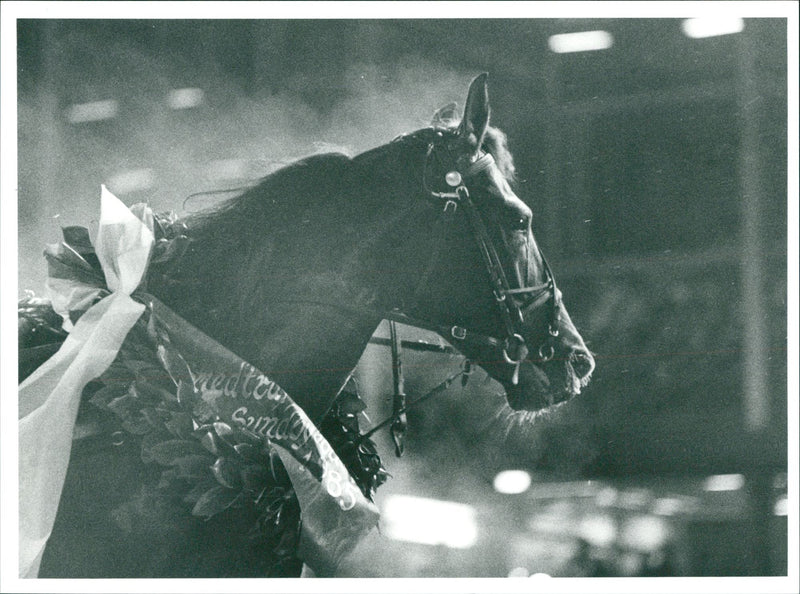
[208, 465]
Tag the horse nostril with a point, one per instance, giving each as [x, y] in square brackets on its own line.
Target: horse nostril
[583, 364]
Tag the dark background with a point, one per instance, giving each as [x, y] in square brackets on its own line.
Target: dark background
[657, 174]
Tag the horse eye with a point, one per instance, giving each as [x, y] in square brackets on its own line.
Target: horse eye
[519, 223]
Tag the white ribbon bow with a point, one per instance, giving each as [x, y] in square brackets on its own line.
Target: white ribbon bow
[49, 398]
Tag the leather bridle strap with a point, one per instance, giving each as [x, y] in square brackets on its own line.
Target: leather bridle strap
[400, 421]
[494, 267]
[458, 333]
[443, 227]
[514, 349]
[463, 372]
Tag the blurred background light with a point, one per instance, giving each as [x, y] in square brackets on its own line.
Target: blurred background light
[185, 98]
[678, 504]
[634, 498]
[667, 506]
[600, 530]
[429, 521]
[93, 111]
[518, 572]
[584, 41]
[512, 482]
[606, 497]
[556, 517]
[711, 27]
[645, 533]
[723, 482]
[781, 507]
[554, 490]
[134, 180]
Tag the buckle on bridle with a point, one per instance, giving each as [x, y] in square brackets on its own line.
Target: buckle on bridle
[546, 352]
[520, 349]
[458, 332]
[520, 352]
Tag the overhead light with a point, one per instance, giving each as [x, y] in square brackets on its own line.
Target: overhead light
[711, 27]
[93, 111]
[723, 482]
[781, 507]
[184, 98]
[512, 482]
[429, 521]
[583, 41]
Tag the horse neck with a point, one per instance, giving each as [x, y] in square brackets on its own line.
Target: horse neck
[305, 330]
[313, 327]
[310, 348]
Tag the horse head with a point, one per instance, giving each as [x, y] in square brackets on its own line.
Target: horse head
[478, 277]
[426, 228]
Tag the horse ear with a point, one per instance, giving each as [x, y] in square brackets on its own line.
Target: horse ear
[445, 116]
[476, 112]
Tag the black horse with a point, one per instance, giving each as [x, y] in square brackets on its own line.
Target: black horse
[293, 276]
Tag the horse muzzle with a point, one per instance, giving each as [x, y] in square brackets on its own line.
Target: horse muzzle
[543, 382]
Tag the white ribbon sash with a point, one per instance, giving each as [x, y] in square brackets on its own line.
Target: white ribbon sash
[49, 398]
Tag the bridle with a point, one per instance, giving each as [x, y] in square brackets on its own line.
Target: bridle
[512, 345]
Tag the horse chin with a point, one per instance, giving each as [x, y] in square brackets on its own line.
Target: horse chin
[540, 388]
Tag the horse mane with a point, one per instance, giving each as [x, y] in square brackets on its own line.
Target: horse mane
[309, 181]
[252, 231]
[306, 183]
[260, 225]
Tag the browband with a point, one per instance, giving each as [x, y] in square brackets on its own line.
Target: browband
[483, 162]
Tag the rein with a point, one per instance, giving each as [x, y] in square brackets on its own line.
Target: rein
[400, 413]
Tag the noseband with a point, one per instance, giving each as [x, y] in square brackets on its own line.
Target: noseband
[513, 346]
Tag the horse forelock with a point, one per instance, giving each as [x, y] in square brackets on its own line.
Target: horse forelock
[495, 142]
